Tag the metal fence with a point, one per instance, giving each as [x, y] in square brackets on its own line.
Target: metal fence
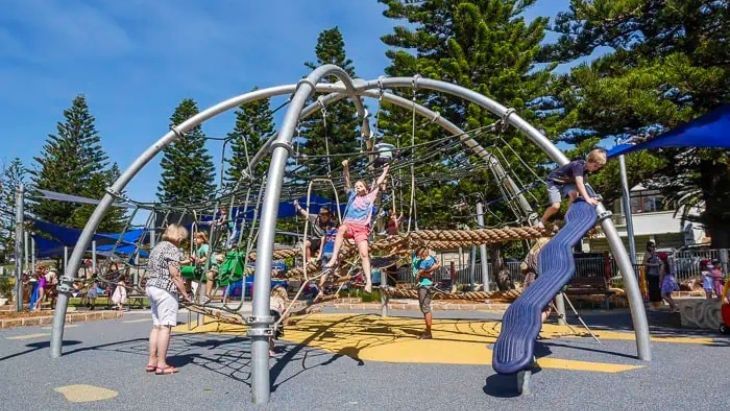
[687, 266]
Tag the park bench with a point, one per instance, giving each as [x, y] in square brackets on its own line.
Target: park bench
[590, 285]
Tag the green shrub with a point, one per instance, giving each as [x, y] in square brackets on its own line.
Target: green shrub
[6, 286]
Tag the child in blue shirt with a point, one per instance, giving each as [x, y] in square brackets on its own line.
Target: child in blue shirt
[424, 266]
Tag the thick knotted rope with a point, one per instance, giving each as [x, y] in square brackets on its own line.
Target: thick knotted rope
[480, 296]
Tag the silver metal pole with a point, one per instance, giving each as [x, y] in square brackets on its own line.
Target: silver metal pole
[19, 194]
[560, 308]
[472, 266]
[483, 247]
[66, 281]
[32, 254]
[261, 321]
[93, 257]
[631, 285]
[26, 251]
[153, 229]
[135, 276]
[628, 214]
[638, 314]
[65, 259]
[461, 261]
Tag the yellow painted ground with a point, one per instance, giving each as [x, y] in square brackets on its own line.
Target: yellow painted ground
[85, 393]
[28, 336]
[372, 338]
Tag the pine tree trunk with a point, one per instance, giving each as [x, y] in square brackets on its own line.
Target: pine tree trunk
[715, 184]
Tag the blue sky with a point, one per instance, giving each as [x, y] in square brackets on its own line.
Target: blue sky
[135, 60]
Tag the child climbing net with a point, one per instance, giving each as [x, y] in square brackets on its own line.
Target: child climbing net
[356, 223]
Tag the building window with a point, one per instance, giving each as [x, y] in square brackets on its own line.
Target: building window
[648, 202]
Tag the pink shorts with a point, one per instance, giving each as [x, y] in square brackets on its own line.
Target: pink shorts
[358, 232]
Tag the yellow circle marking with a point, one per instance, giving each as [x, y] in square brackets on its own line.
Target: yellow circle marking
[85, 393]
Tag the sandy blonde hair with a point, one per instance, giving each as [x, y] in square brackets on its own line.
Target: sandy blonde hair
[201, 234]
[280, 292]
[175, 233]
[597, 156]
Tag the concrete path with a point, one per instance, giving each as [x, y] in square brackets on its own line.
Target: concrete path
[359, 361]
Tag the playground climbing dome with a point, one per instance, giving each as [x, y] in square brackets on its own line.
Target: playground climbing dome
[254, 202]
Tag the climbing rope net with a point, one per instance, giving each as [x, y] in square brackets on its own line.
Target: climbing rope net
[423, 156]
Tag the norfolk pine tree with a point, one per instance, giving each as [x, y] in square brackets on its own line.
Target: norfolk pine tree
[72, 161]
[668, 62]
[11, 176]
[254, 126]
[483, 45]
[342, 122]
[188, 172]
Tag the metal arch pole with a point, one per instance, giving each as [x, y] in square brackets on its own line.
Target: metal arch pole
[66, 280]
[93, 257]
[261, 320]
[153, 229]
[638, 314]
[628, 214]
[494, 165]
[631, 284]
[472, 266]
[19, 197]
[26, 251]
[32, 254]
[483, 247]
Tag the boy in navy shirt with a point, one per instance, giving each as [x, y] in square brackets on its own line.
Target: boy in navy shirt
[569, 180]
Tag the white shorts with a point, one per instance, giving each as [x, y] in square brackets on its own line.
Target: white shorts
[164, 306]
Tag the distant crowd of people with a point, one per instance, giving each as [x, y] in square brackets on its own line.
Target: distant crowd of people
[40, 287]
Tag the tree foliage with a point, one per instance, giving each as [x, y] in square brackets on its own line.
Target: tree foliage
[483, 45]
[338, 131]
[254, 126]
[665, 63]
[188, 172]
[11, 176]
[72, 161]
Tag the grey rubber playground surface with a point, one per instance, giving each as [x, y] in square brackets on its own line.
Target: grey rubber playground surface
[215, 374]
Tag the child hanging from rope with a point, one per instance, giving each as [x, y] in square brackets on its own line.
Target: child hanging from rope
[356, 223]
[569, 180]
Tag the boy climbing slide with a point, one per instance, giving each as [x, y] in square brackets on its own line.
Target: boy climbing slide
[569, 180]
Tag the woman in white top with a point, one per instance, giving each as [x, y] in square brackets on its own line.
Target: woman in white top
[163, 286]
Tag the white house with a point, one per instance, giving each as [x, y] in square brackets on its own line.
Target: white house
[654, 219]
